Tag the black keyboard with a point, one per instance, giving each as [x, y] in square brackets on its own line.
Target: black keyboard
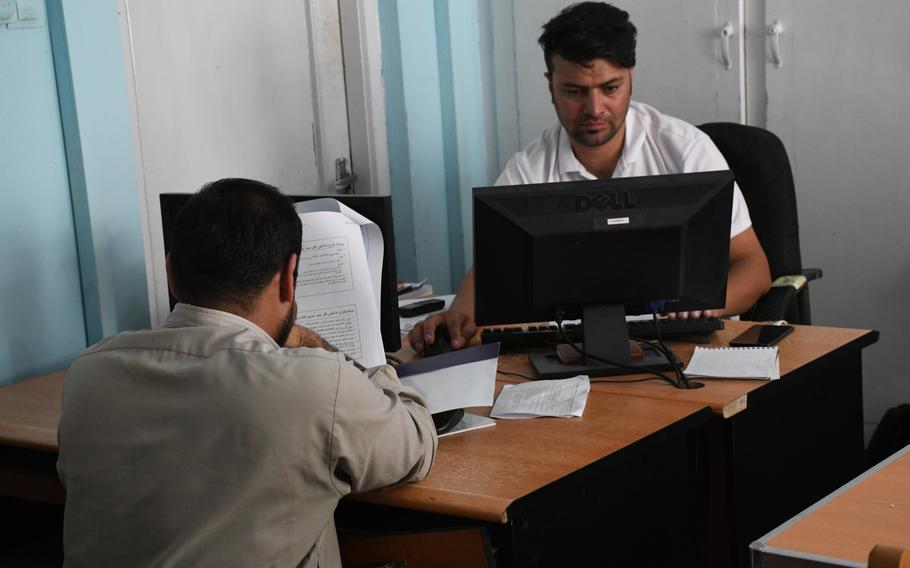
[525, 337]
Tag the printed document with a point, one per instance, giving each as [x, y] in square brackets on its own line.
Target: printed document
[339, 278]
[563, 397]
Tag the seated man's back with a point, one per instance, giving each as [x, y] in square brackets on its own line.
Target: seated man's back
[207, 443]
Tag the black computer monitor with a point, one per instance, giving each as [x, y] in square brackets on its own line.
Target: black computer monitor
[599, 250]
[377, 209]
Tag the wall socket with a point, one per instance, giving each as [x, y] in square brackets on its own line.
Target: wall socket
[8, 12]
[20, 14]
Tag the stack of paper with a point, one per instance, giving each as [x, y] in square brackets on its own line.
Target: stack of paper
[339, 275]
[735, 363]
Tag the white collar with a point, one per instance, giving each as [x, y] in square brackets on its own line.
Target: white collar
[635, 138]
[188, 315]
[566, 162]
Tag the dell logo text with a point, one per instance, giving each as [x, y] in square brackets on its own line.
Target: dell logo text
[603, 201]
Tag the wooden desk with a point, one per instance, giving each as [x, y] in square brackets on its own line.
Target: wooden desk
[807, 346]
[841, 529]
[554, 488]
[29, 413]
[482, 474]
[614, 484]
[771, 450]
[774, 448]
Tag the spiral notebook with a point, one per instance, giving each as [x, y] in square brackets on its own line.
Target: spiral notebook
[761, 363]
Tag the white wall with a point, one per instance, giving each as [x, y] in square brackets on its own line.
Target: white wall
[838, 102]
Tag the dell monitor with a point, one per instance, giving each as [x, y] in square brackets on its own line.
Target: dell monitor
[377, 209]
[599, 250]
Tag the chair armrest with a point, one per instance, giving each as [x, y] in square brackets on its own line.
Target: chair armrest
[773, 305]
[797, 281]
[812, 273]
[781, 298]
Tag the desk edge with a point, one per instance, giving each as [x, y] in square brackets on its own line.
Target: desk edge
[789, 523]
[771, 554]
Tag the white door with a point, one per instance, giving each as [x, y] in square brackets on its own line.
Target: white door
[232, 89]
[838, 102]
[680, 66]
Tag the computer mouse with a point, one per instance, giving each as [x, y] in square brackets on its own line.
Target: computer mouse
[445, 421]
[442, 343]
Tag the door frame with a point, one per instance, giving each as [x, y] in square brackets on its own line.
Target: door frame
[337, 31]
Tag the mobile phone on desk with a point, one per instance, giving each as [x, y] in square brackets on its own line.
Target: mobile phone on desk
[761, 336]
[421, 307]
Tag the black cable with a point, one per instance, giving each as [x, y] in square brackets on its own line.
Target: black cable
[580, 351]
[594, 380]
[513, 374]
[677, 365]
[621, 381]
[662, 347]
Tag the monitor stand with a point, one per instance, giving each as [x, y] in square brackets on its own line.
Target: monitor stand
[606, 336]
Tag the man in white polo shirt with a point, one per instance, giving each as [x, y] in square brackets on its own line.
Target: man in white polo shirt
[589, 50]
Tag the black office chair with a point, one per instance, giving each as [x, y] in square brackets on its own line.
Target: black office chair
[762, 169]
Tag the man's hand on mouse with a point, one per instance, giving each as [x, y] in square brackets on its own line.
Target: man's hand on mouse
[460, 326]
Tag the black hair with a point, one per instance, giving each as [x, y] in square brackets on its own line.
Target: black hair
[229, 240]
[587, 31]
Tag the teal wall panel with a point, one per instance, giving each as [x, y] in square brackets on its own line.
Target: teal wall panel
[439, 108]
[91, 78]
[41, 315]
[420, 148]
[397, 134]
[473, 121]
[73, 267]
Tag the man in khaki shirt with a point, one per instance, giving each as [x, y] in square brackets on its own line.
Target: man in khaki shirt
[227, 437]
